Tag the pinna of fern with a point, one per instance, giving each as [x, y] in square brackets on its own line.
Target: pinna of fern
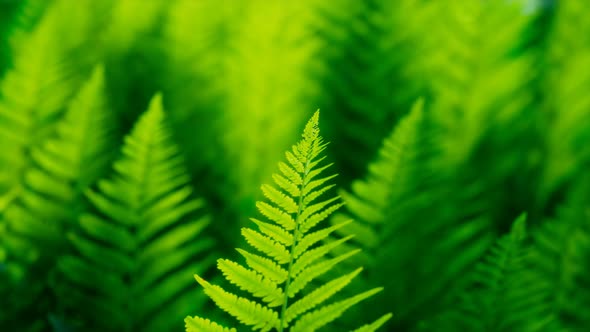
[133, 250]
[293, 255]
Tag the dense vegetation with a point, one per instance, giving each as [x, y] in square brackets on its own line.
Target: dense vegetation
[135, 136]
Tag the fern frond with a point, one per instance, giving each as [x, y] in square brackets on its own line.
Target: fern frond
[370, 67]
[61, 169]
[293, 257]
[132, 253]
[497, 297]
[403, 186]
[33, 94]
[371, 198]
[560, 267]
[35, 91]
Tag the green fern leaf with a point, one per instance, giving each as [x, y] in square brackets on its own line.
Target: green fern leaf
[560, 267]
[33, 94]
[132, 253]
[497, 297]
[36, 89]
[61, 169]
[403, 186]
[294, 258]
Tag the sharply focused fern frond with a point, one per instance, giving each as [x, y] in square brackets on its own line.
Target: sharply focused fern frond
[52, 194]
[293, 256]
[133, 254]
[370, 71]
[496, 299]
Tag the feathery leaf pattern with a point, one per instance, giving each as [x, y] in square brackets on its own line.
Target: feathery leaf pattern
[295, 257]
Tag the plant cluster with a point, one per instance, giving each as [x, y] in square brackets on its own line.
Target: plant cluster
[135, 136]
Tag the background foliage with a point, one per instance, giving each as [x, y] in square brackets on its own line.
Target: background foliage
[135, 135]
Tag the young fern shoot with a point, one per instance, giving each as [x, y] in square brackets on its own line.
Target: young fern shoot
[293, 253]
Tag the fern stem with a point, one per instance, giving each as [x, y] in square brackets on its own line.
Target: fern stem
[295, 238]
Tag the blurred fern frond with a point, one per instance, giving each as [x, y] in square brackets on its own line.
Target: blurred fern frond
[38, 85]
[370, 71]
[61, 169]
[131, 256]
[560, 266]
[404, 186]
[497, 295]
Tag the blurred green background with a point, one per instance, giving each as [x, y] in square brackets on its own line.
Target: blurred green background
[500, 127]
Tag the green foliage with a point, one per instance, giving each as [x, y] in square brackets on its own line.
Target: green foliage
[62, 168]
[494, 299]
[131, 253]
[293, 258]
[567, 107]
[500, 129]
[560, 267]
[367, 68]
[404, 204]
[266, 42]
[36, 89]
